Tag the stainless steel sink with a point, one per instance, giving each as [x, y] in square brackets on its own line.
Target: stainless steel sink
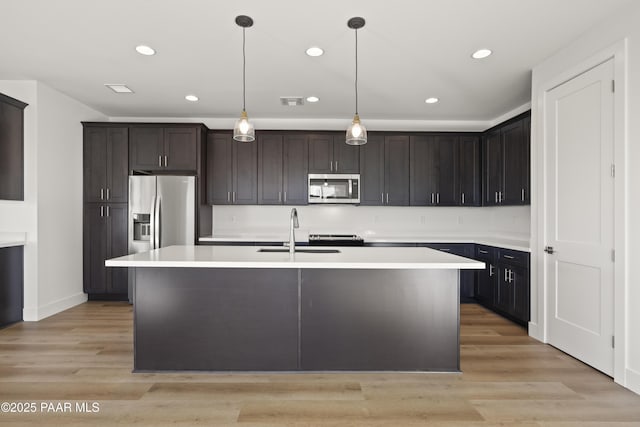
[306, 250]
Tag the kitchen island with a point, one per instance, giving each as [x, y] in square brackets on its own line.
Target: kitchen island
[239, 308]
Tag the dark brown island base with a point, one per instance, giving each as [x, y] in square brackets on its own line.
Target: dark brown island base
[217, 308]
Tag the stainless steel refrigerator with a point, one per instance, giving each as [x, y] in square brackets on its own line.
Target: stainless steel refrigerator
[161, 211]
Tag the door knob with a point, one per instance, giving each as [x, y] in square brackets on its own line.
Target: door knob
[548, 249]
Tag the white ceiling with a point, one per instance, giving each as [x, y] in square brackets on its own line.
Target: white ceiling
[408, 51]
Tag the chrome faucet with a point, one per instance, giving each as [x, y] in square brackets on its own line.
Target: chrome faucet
[293, 224]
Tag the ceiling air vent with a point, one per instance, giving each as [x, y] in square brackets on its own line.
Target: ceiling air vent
[291, 101]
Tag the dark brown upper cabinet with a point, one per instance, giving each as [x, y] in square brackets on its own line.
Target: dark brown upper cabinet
[232, 168]
[106, 160]
[157, 148]
[282, 169]
[384, 170]
[506, 163]
[329, 153]
[11, 148]
[434, 170]
[469, 175]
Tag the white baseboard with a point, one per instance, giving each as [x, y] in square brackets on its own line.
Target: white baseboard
[633, 380]
[536, 332]
[39, 313]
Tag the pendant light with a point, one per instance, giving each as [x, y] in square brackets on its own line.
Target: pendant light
[243, 131]
[356, 132]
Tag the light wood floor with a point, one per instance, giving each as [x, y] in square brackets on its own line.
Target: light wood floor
[85, 355]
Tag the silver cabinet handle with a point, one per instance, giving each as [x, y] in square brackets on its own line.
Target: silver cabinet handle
[496, 197]
[482, 252]
[437, 198]
[432, 198]
[234, 196]
[490, 270]
[510, 276]
[331, 165]
[500, 197]
[165, 161]
[336, 166]
[522, 194]
[108, 195]
[279, 196]
[285, 197]
[382, 198]
[446, 249]
[505, 274]
[508, 256]
[387, 198]
[228, 196]
[102, 194]
[160, 161]
[101, 211]
[463, 198]
[108, 211]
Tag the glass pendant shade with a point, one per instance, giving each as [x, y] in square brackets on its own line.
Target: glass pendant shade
[243, 131]
[356, 132]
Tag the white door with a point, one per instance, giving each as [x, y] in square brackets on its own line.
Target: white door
[580, 216]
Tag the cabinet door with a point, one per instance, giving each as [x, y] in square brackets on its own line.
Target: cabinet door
[396, 170]
[95, 164]
[422, 171]
[446, 170]
[117, 278]
[219, 173]
[117, 161]
[321, 153]
[521, 292]
[504, 293]
[245, 173]
[372, 171]
[95, 248]
[270, 169]
[492, 158]
[526, 161]
[146, 148]
[346, 158]
[11, 284]
[296, 163]
[181, 149]
[469, 171]
[486, 279]
[513, 146]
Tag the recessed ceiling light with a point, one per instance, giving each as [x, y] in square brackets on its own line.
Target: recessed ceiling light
[191, 98]
[312, 99]
[431, 100]
[315, 51]
[481, 53]
[119, 88]
[145, 50]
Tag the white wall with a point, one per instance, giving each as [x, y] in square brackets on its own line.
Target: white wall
[51, 215]
[512, 221]
[619, 36]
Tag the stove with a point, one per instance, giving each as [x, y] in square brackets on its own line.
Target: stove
[335, 240]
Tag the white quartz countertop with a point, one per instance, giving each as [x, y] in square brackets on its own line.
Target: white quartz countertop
[250, 257]
[518, 243]
[9, 239]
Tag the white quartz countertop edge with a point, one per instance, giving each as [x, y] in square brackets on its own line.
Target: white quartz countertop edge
[12, 239]
[507, 243]
[249, 257]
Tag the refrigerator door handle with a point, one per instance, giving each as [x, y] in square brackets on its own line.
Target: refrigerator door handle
[158, 221]
[152, 225]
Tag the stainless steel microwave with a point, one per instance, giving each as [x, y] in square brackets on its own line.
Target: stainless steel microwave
[334, 188]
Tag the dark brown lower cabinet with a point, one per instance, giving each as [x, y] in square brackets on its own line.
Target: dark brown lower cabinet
[467, 277]
[11, 285]
[504, 285]
[105, 236]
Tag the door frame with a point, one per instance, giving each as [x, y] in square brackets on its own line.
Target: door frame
[538, 326]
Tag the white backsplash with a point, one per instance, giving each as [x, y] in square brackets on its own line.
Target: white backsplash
[375, 220]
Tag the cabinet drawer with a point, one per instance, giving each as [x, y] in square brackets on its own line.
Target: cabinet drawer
[514, 257]
[484, 251]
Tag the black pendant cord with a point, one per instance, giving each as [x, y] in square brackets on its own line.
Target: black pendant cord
[356, 31]
[244, 66]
